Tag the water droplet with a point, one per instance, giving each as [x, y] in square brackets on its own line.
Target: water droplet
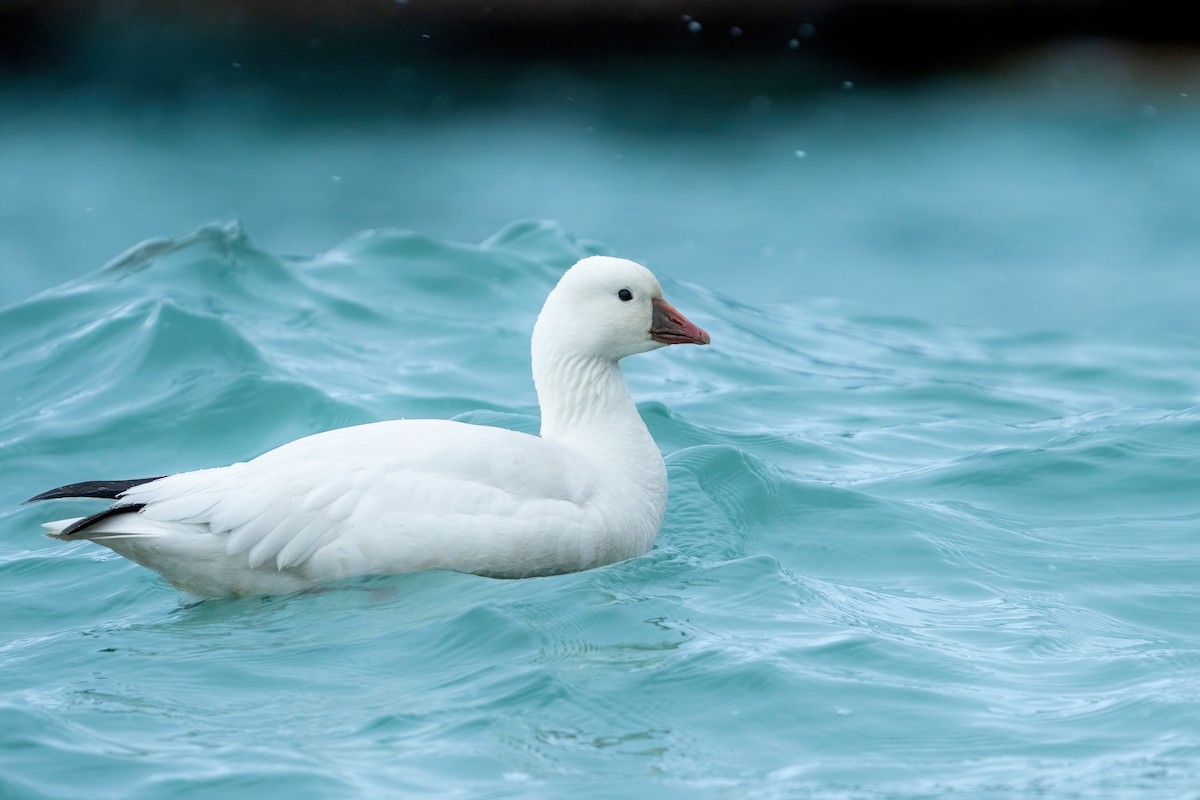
[426, 36]
[336, 178]
[847, 85]
[694, 26]
[735, 31]
[807, 30]
[794, 44]
[801, 154]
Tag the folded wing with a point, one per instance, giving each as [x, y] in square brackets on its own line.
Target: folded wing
[420, 482]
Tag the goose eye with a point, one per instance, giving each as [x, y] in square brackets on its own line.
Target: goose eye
[625, 295]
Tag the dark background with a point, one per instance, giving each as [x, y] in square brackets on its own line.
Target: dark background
[345, 51]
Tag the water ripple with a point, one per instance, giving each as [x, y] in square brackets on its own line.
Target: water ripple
[900, 559]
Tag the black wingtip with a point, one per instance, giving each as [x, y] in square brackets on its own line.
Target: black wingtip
[88, 522]
[105, 490]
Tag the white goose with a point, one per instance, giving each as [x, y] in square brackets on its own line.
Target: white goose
[409, 495]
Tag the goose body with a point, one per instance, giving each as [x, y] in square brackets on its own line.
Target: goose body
[409, 495]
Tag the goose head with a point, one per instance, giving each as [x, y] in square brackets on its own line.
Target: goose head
[608, 308]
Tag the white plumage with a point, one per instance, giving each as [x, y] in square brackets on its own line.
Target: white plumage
[409, 495]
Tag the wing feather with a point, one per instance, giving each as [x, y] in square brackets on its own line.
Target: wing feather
[419, 479]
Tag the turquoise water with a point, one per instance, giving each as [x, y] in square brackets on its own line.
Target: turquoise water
[1059, 195]
[901, 559]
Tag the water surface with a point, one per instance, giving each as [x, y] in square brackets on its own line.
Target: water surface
[901, 559]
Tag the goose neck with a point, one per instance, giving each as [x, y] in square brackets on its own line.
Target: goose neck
[585, 398]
